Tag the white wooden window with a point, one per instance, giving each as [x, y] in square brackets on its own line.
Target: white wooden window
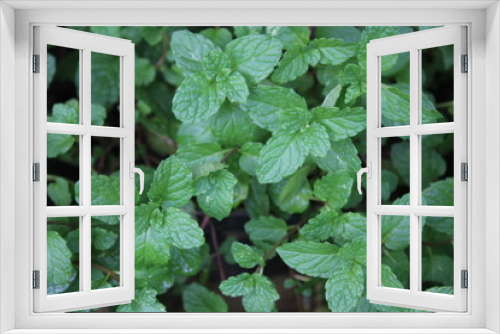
[414, 129]
[85, 44]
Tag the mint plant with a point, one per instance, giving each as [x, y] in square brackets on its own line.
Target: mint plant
[250, 139]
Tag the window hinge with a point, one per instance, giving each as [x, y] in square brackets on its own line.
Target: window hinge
[465, 64]
[465, 279]
[36, 63]
[36, 172]
[36, 279]
[464, 171]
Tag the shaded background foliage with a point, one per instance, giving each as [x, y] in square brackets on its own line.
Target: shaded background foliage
[250, 138]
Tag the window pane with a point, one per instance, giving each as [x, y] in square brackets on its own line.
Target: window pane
[105, 171]
[395, 89]
[63, 250]
[105, 252]
[395, 176]
[437, 169]
[395, 251]
[437, 84]
[437, 254]
[105, 89]
[63, 170]
[62, 85]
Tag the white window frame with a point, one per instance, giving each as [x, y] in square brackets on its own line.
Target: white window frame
[86, 43]
[483, 20]
[414, 43]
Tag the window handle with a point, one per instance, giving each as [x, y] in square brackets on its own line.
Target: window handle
[368, 171]
[141, 175]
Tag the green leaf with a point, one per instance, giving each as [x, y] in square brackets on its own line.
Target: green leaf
[348, 33]
[105, 76]
[109, 190]
[266, 229]
[65, 113]
[171, 183]
[215, 193]
[437, 268]
[152, 35]
[197, 298]
[194, 133]
[220, 36]
[58, 144]
[241, 31]
[60, 271]
[441, 193]
[250, 153]
[354, 251]
[59, 192]
[189, 50]
[103, 239]
[399, 262]
[354, 91]
[316, 139]
[254, 56]
[389, 184]
[214, 64]
[353, 225]
[234, 87]
[106, 31]
[266, 103]
[157, 278]
[294, 119]
[448, 290]
[333, 51]
[396, 229]
[232, 126]
[257, 202]
[145, 301]
[295, 63]
[246, 256]
[185, 262]
[51, 68]
[310, 258]
[205, 169]
[389, 279]
[350, 74]
[334, 188]
[151, 246]
[290, 36]
[282, 155]
[375, 32]
[345, 287]
[181, 230]
[332, 97]
[195, 155]
[236, 286]
[321, 227]
[343, 123]
[196, 99]
[342, 155]
[98, 114]
[293, 194]
[145, 72]
[263, 296]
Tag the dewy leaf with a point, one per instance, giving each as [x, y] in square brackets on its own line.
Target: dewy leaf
[342, 155]
[316, 139]
[196, 99]
[151, 246]
[250, 153]
[396, 229]
[290, 36]
[195, 155]
[171, 183]
[310, 258]
[237, 286]
[215, 193]
[220, 36]
[375, 32]
[197, 298]
[293, 65]
[267, 229]
[181, 230]
[59, 192]
[246, 256]
[334, 188]
[232, 126]
[189, 50]
[234, 87]
[60, 271]
[321, 227]
[343, 123]
[333, 51]
[145, 301]
[345, 287]
[282, 155]
[293, 194]
[266, 103]
[263, 296]
[441, 193]
[254, 56]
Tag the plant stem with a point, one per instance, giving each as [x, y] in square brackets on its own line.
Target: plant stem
[215, 243]
[228, 154]
[107, 271]
[204, 222]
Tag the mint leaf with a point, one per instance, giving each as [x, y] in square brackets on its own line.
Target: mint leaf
[194, 133]
[316, 139]
[293, 194]
[237, 286]
[310, 258]
[196, 99]
[145, 72]
[250, 153]
[448, 290]
[354, 251]
[342, 155]
[152, 35]
[59, 192]
[333, 51]
[396, 229]
[389, 279]
[103, 239]
[295, 63]
[294, 119]
[171, 183]
[254, 56]
[347, 33]
[185, 262]
[197, 298]
[220, 36]
[189, 50]
[389, 184]
[60, 271]
[58, 144]
[241, 31]
[215, 193]
[263, 296]
[145, 301]
[353, 225]
[282, 155]
[437, 268]
[290, 36]
[266, 229]
[321, 227]
[334, 188]
[440, 193]
[246, 256]
[181, 230]
[257, 202]
[195, 155]
[232, 126]
[234, 87]
[375, 32]
[214, 64]
[266, 103]
[65, 113]
[341, 124]
[345, 287]
[105, 77]
[51, 68]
